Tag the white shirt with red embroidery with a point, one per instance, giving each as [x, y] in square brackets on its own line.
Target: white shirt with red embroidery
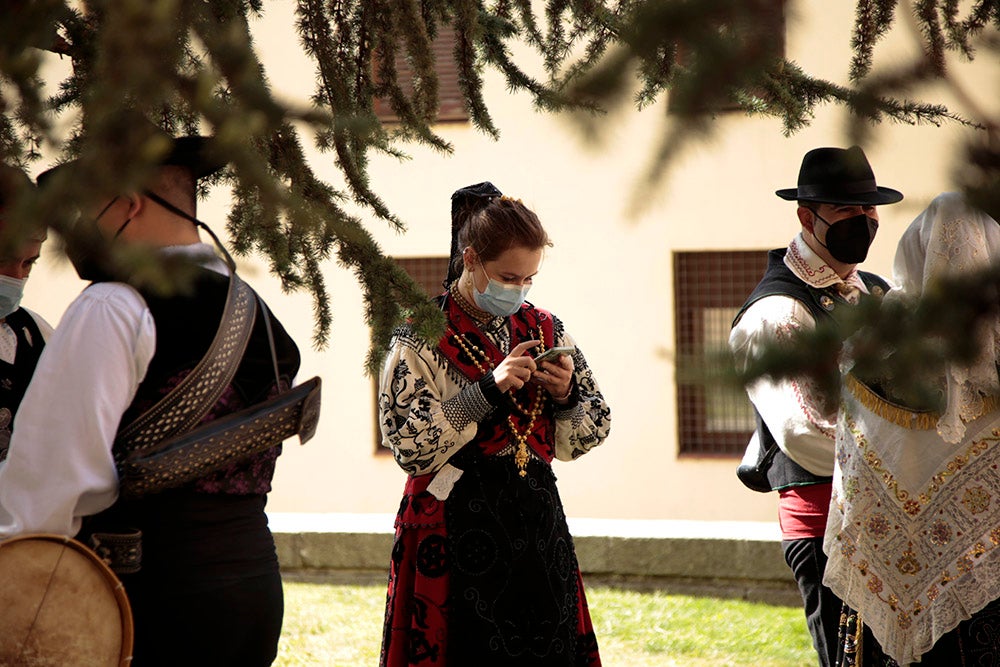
[791, 408]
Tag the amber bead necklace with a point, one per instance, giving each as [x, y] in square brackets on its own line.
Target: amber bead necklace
[481, 360]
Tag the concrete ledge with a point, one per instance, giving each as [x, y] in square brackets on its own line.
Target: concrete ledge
[731, 559]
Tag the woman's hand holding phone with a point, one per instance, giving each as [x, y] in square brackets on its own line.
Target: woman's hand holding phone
[555, 372]
[516, 368]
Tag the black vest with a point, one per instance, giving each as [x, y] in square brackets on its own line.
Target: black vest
[14, 378]
[823, 304]
[192, 537]
[186, 324]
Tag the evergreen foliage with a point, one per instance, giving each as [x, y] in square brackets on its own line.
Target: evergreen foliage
[190, 66]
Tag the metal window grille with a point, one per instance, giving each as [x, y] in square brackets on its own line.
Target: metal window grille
[428, 272]
[709, 288]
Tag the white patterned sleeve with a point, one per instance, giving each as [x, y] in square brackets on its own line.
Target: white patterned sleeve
[586, 421]
[793, 408]
[426, 415]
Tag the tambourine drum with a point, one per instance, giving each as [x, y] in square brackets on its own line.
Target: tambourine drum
[60, 605]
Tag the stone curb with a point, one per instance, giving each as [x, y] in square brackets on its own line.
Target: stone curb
[742, 566]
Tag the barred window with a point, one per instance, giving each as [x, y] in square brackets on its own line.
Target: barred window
[428, 272]
[451, 104]
[709, 289]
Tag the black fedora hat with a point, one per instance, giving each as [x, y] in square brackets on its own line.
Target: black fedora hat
[191, 151]
[839, 176]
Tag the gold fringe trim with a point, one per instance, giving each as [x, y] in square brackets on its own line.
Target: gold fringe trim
[899, 415]
[990, 403]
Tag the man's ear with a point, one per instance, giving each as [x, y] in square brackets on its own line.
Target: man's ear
[136, 204]
[807, 218]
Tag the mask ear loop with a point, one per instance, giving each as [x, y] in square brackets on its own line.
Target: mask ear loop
[232, 267]
[105, 210]
[817, 216]
[106, 207]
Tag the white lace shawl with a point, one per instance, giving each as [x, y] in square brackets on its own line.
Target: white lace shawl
[946, 239]
[913, 536]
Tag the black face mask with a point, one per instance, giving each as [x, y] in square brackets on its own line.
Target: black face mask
[89, 258]
[94, 262]
[848, 240]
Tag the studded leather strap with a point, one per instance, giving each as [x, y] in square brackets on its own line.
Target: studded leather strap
[188, 402]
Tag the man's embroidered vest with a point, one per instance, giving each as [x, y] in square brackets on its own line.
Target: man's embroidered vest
[186, 324]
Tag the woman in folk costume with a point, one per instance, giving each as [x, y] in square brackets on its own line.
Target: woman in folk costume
[914, 531]
[483, 568]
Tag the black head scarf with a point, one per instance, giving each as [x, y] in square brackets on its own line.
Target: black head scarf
[464, 202]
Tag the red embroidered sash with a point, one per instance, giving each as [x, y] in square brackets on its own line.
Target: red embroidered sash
[529, 323]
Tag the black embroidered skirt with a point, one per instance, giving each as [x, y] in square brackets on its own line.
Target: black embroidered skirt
[494, 580]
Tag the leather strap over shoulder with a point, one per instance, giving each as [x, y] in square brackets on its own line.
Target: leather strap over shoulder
[188, 402]
[223, 441]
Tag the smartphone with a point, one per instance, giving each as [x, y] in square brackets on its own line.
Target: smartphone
[553, 352]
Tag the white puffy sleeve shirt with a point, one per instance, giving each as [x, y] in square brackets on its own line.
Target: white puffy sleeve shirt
[59, 467]
[793, 409]
[790, 407]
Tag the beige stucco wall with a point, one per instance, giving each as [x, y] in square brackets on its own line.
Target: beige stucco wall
[608, 277]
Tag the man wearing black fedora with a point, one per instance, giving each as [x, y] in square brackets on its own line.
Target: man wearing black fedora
[811, 281]
[125, 371]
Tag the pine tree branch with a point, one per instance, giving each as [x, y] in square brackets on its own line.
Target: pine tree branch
[930, 26]
[354, 130]
[874, 19]
[191, 66]
[467, 33]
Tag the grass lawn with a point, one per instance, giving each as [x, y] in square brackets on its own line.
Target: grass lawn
[330, 625]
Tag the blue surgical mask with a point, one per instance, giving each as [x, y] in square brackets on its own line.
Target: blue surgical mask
[11, 291]
[499, 299]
